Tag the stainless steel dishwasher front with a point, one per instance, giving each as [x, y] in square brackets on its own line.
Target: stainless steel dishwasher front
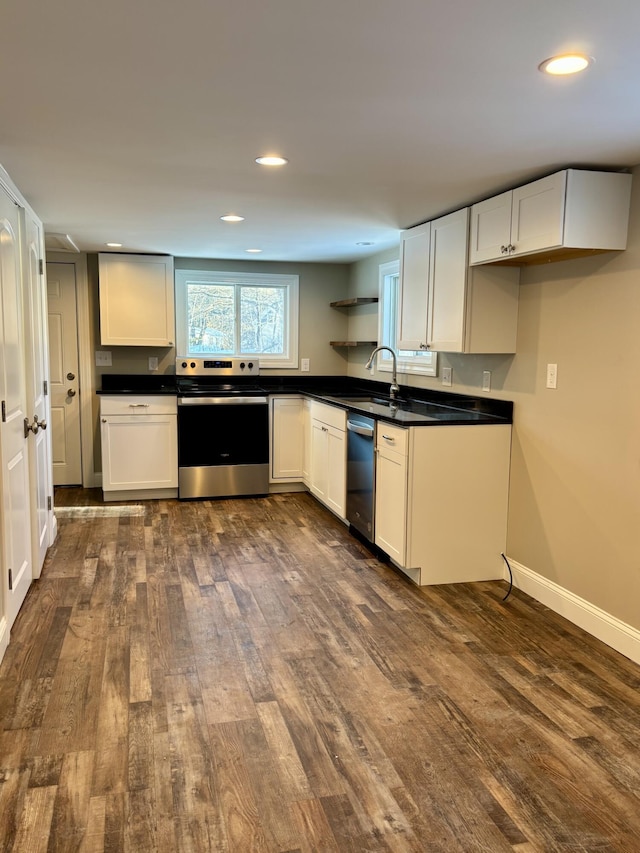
[361, 474]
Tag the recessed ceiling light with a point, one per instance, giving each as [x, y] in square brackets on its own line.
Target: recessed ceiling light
[115, 245]
[271, 161]
[232, 217]
[253, 251]
[568, 63]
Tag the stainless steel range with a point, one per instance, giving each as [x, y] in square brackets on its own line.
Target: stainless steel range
[223, 428]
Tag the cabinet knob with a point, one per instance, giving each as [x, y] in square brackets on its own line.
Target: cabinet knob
[104, 420]
[504, 250]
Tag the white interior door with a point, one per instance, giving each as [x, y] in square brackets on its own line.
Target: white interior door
[63, 366]
[16, 514]
[37, 406]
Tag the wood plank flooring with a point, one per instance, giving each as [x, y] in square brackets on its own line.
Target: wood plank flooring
[242, 675]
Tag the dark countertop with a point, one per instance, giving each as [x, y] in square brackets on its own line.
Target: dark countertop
[416, 406]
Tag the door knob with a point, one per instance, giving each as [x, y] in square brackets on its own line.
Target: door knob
[71, 376]
[34, 427]
[71, 393]
[42, 424]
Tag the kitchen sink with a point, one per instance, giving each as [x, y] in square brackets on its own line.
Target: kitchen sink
[379, 401]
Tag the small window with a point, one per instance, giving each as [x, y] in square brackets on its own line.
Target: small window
[241, 314]
[409, 361]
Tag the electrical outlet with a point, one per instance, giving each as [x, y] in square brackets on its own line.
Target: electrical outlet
[304, 365]
[486, 380]
[103, 358]
[552, 376]
[153, 362]
[447, 376]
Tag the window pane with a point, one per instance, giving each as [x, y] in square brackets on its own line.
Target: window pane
[262, 316]
[211, 318]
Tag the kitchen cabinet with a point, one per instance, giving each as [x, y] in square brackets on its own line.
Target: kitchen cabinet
[139, 446]
[306, 441]
[136, 300]
[391, 491]
[567, 214]
[441, 500]
[415, 246]
[328, 456]
[287, 438]
[445, 306]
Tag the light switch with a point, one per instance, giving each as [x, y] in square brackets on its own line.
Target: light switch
[153, 362]
[447, 376]
[304, 365]
[486, 380]
[103, 358]
[552, 376]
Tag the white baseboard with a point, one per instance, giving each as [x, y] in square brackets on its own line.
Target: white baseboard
[53, 528]
[4, 637]
[612, 631]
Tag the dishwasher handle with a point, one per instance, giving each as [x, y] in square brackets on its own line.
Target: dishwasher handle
[360, 429]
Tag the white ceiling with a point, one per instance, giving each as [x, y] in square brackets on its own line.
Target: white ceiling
[138, 121]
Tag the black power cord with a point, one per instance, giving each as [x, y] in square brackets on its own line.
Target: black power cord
[510, 578]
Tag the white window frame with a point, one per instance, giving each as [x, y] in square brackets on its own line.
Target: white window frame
[422, 363]
[291, 284]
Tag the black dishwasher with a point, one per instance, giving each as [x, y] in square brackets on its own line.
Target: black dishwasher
[361, 433]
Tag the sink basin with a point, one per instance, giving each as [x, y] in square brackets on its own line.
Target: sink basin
[379, 401]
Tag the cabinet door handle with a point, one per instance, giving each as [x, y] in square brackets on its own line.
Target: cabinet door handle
[388, 438]
[138, 405]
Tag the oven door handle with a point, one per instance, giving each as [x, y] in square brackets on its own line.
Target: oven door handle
[221, 401]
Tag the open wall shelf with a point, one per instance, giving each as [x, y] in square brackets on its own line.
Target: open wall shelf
[357, 300]
[354, 343]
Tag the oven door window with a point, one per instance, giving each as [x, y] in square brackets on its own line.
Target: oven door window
[223, 435]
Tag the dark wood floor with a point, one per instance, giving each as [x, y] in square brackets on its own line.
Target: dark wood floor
[242, 675]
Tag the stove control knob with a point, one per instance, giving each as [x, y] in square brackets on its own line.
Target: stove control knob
[250, 365]
[184, 363]
[242, 365]
[193, 364]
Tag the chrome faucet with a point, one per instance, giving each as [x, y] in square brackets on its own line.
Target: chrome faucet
[395, 388]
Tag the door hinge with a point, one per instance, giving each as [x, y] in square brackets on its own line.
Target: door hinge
[49, 503]
[4, 411]
[41, 264]
[10, 579]
[46, 388]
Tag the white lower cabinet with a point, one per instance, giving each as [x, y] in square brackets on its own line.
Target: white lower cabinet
[328, 456]
[287, 439]
[139, 446]
[391, 492]
[441, 500]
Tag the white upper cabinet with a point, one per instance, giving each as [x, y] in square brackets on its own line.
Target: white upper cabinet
[568, 214]
[136, 300]
[414, 287]
[450, 307]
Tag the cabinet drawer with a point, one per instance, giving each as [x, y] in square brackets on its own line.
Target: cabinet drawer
[392, 438]
[330, 415]
[138, 404]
